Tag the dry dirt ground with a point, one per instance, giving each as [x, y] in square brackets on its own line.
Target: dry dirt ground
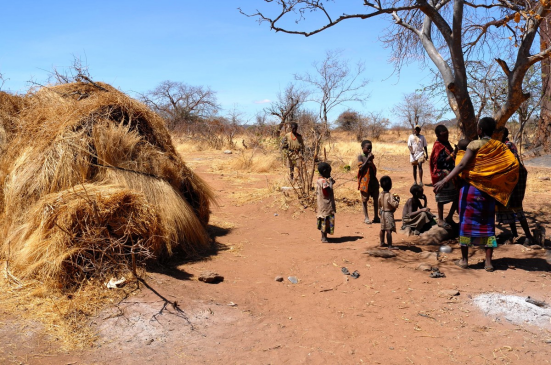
[392, 314]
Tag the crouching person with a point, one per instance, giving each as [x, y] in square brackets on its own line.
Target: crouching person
[416, 217]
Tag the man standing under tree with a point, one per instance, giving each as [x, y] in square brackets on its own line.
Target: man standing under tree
[293, 147]
[417, 145]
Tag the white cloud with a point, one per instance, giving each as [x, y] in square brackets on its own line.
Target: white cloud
[265, 101]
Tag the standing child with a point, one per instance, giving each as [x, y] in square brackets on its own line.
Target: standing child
[388, 203]
[326, 201]
[368, 185]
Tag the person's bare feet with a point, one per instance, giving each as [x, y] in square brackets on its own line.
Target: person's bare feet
[367, 220]
[449, 220]
[462, 263]
[444, 224]
[324, 240]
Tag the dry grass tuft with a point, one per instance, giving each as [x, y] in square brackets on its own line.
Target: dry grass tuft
[254, 161]
[63, 317]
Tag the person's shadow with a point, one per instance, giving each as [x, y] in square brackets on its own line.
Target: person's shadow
[344, 239]
[507, 263]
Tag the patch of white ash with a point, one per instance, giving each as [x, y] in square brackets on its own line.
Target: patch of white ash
[513, 309]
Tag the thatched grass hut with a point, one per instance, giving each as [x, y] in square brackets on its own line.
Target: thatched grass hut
[92, 179]
[10, 106]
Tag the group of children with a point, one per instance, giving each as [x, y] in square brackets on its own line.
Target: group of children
[384, 203]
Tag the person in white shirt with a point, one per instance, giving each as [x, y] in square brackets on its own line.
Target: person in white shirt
[417, 145]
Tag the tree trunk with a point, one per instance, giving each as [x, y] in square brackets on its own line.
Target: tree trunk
[463, 108]
[543, 132]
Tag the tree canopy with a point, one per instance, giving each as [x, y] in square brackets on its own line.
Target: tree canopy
[450, 34]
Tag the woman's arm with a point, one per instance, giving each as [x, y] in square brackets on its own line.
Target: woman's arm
[469, 155]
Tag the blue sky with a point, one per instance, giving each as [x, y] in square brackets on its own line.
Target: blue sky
[134, 45]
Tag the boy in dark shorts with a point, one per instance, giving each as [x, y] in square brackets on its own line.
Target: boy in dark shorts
[368, 185]
[326, 208]
[388, 203]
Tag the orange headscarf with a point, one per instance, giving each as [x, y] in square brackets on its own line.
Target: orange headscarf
[494, 170]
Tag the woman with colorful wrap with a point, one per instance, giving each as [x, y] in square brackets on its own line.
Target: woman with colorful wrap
[490, 171]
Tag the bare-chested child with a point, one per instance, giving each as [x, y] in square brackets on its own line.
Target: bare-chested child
[416, 217]
[388, 203]
[462, 144]
[326, 208]
[368, 185]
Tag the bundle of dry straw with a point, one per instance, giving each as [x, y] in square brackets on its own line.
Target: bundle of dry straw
[90, 179]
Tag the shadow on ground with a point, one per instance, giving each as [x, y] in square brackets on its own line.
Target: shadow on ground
[170, 266]
[505, 263]
[344, 239]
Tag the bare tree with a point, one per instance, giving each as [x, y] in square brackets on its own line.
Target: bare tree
[335, 83]
[2, 81]
[532, 108]
[179, 103]
[375, 124]
[233, 126]
[287, 105]
[78, 71]
[488, 89]
[449, 33]
[543, 135]
[416, 109]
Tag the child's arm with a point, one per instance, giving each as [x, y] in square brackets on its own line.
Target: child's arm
[366, 163]
[393, 202]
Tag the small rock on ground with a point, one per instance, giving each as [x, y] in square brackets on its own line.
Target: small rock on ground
[424, 267]
[210, 277]
[428, 255]
[228, 152]
[448, 293]
[279, 278]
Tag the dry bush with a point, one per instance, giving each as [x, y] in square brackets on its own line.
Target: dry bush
[81, 140]
[254, 161]
[213, 133]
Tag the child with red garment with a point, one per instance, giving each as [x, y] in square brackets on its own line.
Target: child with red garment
[442, 161]
[368, 185]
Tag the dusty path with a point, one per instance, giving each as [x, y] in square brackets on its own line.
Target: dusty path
[542, 161]
[391, 314]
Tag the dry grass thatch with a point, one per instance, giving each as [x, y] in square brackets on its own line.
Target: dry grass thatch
[91, 178]
[10, 106]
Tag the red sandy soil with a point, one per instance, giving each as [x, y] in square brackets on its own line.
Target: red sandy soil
[391, 314]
